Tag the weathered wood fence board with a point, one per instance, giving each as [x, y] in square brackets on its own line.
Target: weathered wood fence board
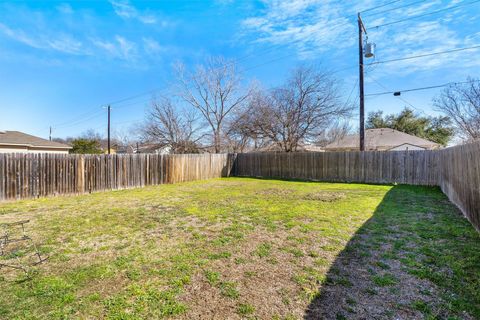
[412, 167]
[460, 179]
[37, 175]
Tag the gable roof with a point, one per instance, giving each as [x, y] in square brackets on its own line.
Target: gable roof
[383, 138]
[18, 138]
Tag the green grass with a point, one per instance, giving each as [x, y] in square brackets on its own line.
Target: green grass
[160, 252]
[245, 309]
[263, 250]
[385, 280]
[229, 290]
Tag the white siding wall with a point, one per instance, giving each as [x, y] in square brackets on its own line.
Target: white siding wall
[23, 149]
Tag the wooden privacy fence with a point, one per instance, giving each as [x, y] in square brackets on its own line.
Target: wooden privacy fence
[409, 167]
[456, 170]
[37, 175]
[459, 178]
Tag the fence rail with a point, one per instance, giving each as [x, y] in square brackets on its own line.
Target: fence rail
[38, 175]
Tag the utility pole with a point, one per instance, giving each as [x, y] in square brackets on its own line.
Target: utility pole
[108, 130]
[50, 135]
[361, 29]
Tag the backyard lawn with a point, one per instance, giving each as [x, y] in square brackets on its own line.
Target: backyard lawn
[238, 248]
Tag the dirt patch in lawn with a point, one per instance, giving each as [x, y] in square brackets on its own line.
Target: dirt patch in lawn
[325, 196]
[264, 276]
[276, 192]
[371, 286]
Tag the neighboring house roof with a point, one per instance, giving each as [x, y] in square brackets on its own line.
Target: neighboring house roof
[151, 148]
[17, 138]
[383, 138]
[310, 148]
[302, 147]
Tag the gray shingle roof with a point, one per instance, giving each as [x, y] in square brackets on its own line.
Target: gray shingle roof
[22, 139]
[383, 138]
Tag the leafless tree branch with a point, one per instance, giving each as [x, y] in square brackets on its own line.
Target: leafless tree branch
[461, 102]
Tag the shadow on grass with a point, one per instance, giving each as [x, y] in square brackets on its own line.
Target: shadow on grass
[417, 257]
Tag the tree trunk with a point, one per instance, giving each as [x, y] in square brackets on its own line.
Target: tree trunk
[217, 141]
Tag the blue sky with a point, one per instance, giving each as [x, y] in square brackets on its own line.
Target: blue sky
[61, 61]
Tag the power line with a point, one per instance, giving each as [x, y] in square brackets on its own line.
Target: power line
[424, 55]
[61, 124]
[421, 88]
[88, 116]
[351, 92]
[380, 6]
[133, 103]
[95, 112]
[404, 100]
[425, 14]
[275, 46]
[256, 54]
[393, 9]
[136, 96]
[79, 121]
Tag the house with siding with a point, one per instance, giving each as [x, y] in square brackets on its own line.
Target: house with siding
[16, 141]
[382, 139]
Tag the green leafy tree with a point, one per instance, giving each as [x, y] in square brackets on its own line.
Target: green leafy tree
[86, 146]
[437, 129]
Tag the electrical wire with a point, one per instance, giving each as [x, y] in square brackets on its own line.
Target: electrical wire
[421, 88]
[393, 9]
[351, 92]
[79, 121]
[380, 6]
[133, 103]
[83, 115]
[135, 96]
[400, 98]
[86, 116]
[275, 46]
[424, 55]
[425, 14]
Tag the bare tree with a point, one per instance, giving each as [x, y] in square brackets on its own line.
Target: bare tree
[124, 140]
[215, 91]
[461, 102]
[238, 136]
[169, 127]
[250, 122]
[298, 111]
[92, 134]
[334, 132]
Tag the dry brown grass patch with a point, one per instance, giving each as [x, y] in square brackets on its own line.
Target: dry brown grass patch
[325, 196]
